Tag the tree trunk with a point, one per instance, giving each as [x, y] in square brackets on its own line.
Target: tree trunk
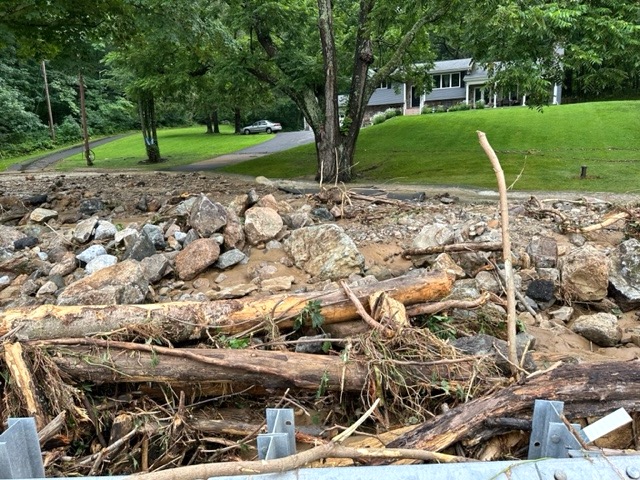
[198, 319]
[207, 122]
[237, 120]
[215, 120]
[586, 389]
[146, 107]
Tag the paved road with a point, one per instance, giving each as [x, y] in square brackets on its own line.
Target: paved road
[45, 161]
[280, 141]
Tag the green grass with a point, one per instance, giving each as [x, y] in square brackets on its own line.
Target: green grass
[178, 146]
[546, 149]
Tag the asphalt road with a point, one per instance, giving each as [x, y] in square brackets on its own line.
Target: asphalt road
[279, 142]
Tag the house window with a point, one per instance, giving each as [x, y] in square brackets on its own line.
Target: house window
[446, 80]
[385, 84]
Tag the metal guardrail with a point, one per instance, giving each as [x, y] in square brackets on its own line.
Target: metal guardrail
[20, 455]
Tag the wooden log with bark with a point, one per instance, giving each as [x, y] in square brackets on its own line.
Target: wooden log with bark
[587, 390]
[103, 361]
[182, 321]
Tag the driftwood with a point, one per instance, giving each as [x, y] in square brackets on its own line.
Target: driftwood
[103, 361]
[587, 390]
[181, 321]
[455, 247]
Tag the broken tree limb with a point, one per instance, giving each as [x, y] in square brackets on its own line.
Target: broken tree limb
[20, 373]
[104, 361]
[181, 321]
[455, 247]
[292, 462]
[506, 251]
[431, 308]
[587, 390]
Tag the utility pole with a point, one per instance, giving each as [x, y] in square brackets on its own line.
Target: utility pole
[48, 99]
[83, 116]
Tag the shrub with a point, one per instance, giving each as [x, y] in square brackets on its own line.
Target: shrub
[68, 131]
[480, 104]
[378, 118]
[459, 107]
[392, 112]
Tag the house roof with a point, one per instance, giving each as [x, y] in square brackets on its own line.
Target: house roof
[452, 65]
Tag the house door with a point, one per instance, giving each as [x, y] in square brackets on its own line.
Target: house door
[415, 97]
[478, 94]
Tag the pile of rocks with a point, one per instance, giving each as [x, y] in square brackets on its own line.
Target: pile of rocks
[109, 240]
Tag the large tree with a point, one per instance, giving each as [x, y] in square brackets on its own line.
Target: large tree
[312, 51]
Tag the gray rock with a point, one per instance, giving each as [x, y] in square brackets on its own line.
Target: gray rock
[230, 258]
[297, 219]
[41, 215]
[543, 251]
[100, 262]
[25, 242]
[261, 224]
[236, 291]
[65, 266]
[562, 314]
[487, 282]
[585, 274]
[196, 257]
[8, 235]
[322, 214]
[625, 274]
[49, 288]
[90, 253]
[84, 230]
[105, 230]
[180, 236]
[541, 290]
[207, 217]
[277, 284]
[262, 271]
[123, 283]
[156, 235]
[431, 236]
[89, 206]
[142, 248]
[600, 328]
[482, 344]
[155, 267]
[233, 232]
[324, 251]
[127, 237]
[191, 236]
[316, 345]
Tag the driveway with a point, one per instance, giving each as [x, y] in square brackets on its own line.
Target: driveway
[280, 141]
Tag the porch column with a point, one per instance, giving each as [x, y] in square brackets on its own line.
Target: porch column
[495, 100]
[524, 100]
[466, 90]
[404, 96]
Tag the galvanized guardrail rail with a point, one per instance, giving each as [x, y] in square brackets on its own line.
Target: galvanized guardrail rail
[554, 454]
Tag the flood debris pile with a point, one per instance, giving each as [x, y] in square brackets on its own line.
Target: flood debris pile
[148, 319]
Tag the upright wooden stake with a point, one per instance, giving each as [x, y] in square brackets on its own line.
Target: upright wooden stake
[52, 130]
[506, 252]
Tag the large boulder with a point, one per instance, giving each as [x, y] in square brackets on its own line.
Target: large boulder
[123, 283]
[262, 224]
[207, 217]
[624, 277]
[585, 274]
[196, 257]
[601, 328]
[324, 251]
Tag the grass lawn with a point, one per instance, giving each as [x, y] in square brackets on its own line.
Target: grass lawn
[545, 149]
[178, 146]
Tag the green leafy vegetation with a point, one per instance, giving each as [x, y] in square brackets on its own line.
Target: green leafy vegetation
[311, 313]
[541, 150]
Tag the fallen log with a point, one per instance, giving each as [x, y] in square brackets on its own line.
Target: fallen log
[181, 321]
[455, 247]
[587, 390]
[103, 361]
